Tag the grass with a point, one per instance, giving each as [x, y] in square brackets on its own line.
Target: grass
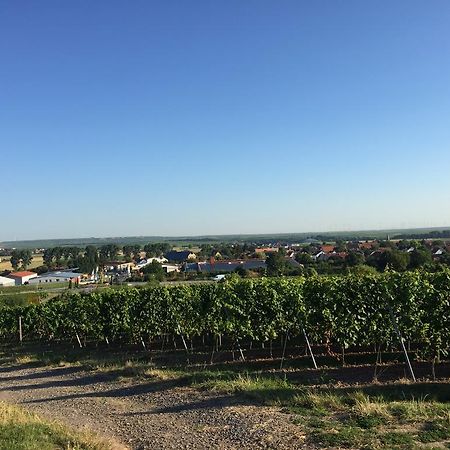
[22, 430]
[23, 295]
[397, 415]
[31, 288]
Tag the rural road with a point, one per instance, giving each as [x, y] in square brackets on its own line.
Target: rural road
[147, 415]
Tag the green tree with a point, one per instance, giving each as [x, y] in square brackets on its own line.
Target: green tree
[275, 263]
[21, 258]
[396, 260]
[154, 270]
[354, 259]
[419, 257]
[303, 258]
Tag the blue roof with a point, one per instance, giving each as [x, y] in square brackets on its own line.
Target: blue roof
[62, 274]
[177, 256]
[225, 266]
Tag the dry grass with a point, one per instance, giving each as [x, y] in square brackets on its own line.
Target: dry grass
[22, 430]
[38, 260]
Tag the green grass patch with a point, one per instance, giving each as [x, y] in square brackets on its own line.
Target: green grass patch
[399, 415]
[21, 430]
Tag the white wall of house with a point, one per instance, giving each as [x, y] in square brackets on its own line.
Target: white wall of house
[170, 268]
[7, 281]
[54, 279]
[23, 280]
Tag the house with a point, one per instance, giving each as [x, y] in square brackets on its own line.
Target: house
[327, 248]
[338, 255]
[321, 256]
[182, 256]
[4, 281]
[56, 277]
[22, 277]
[266, 250]
[168, 268]
[146, 261]
[118, 266]
[368, 245]
[290, 261]
[224, 266]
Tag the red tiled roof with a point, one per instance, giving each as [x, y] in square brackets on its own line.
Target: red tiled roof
[21, 274]
[327, 248]
[266, 249]
[366, 245]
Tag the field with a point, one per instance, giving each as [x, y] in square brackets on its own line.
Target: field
[357, 362]
[37, 261]
[183, 241]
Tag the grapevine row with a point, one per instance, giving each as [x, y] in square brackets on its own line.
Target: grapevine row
[345, 311]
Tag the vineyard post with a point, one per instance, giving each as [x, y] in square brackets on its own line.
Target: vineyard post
[212, 352]
[20, 329]
[240, 350]
[402, 342]
[184, 343]
[284, 350]
[79, 341]
[309, 348]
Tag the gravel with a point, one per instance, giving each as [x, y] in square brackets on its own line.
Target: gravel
[148, 415]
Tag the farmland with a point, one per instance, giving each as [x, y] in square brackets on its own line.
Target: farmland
[183, 241]
[37, 261]
[241, 346]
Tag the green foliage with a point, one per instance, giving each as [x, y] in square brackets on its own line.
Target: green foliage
[352, 310]
[154, 267]
[275, 263]
[21, 259]
[419, 258]
[396, 260]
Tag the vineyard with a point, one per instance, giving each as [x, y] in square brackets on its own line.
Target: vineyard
[335, 312]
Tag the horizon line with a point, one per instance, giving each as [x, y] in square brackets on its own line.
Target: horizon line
[193, 236]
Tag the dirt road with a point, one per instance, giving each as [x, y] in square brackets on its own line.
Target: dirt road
[147, 415]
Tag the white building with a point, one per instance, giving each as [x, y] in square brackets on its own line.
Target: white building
[7, 281]
[145, 262]
[56, 277]
[22, 277]
[168, 268]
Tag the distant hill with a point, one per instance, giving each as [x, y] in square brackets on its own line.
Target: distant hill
[410, 233]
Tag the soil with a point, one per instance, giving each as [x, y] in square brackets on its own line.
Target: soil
[147, 415]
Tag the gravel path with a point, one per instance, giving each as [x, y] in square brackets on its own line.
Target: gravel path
[147, 415]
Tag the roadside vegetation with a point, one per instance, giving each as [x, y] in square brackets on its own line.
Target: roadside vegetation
[22, 430]
[392, 415]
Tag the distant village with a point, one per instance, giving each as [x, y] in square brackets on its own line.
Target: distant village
[132, 263]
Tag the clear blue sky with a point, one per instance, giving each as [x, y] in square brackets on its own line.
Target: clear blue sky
[206, 117]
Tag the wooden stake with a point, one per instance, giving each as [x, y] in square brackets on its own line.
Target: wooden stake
[20, 329]
[402, 342]
[309, 348]
[78, 339]
[284, 350]
[240, 350]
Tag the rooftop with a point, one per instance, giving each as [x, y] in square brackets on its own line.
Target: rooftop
[21, 274]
